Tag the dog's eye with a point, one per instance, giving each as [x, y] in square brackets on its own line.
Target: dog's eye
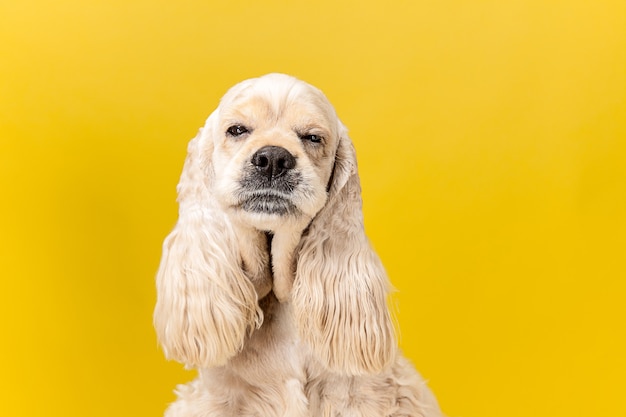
[311, 138]
[237, 130]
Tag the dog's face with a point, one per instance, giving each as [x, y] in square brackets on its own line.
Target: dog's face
[274, 144]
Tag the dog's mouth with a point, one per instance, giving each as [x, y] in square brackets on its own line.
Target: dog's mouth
[268, 202]
[265, 195]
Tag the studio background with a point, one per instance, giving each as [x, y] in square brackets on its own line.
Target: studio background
[491, 138]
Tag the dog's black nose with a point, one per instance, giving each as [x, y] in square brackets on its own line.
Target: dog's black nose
[273, 161]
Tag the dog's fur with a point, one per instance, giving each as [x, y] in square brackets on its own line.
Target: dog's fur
[268, 284]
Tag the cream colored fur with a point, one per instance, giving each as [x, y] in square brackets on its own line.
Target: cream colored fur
[296, 325]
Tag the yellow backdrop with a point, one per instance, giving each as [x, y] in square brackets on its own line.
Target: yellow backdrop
[492, 145]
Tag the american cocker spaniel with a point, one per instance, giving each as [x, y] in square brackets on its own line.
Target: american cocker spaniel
[268, 284]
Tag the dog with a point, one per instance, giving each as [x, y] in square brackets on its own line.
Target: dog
[268, 285]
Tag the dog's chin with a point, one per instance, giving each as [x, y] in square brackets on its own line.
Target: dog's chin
[269, 205]
[267, 212]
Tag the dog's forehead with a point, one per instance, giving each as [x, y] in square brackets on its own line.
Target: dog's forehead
[271, 99]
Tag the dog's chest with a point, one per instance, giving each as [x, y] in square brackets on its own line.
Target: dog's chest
[269, 376]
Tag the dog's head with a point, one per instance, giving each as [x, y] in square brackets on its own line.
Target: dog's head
[274, 141]
[272, 154]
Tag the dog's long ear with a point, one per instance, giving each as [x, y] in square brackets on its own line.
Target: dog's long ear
[205, 305]
[340, 290]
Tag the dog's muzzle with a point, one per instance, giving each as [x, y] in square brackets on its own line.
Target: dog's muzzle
[269, 182]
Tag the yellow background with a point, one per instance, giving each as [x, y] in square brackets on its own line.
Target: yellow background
[492, 145]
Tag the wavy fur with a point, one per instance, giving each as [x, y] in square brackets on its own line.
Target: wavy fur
[340, 305]
[205, 305]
